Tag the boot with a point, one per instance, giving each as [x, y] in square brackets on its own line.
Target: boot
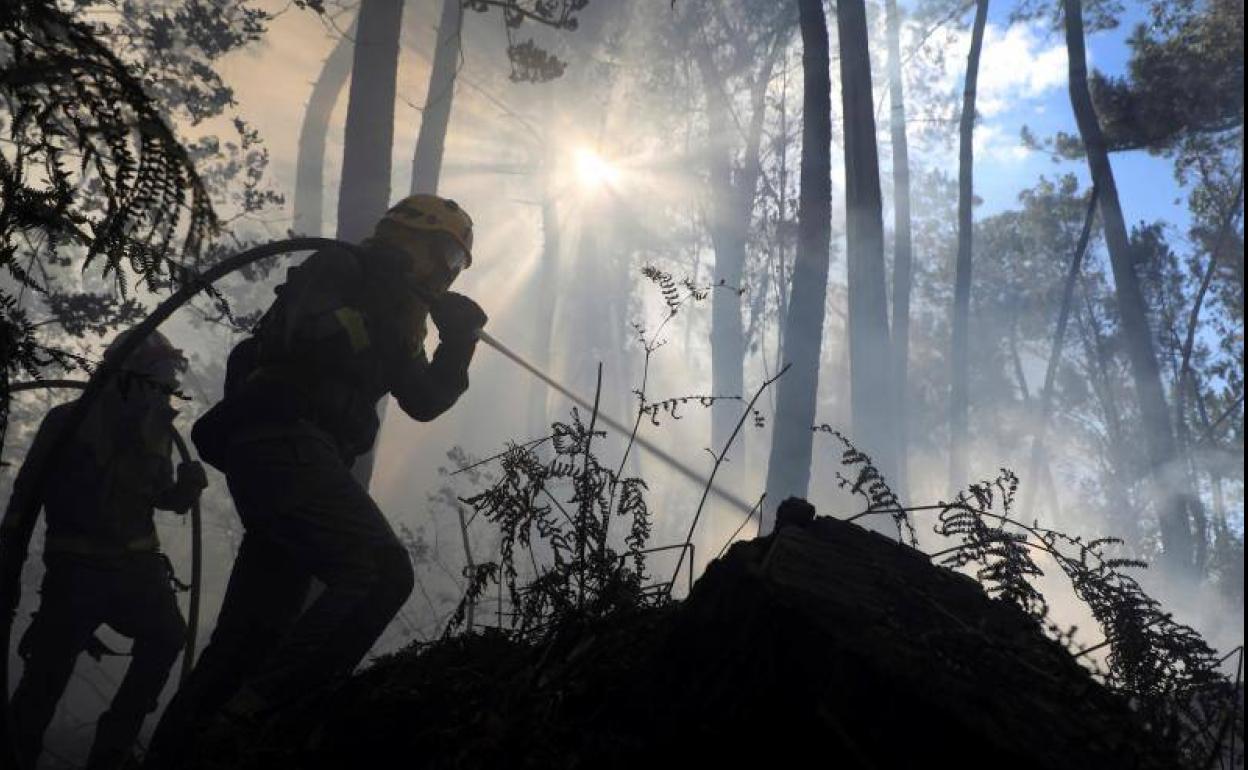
[113, 748]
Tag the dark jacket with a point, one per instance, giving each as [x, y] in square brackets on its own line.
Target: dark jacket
[343, 332]
[102, 486]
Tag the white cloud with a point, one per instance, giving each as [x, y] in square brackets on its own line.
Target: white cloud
[995, 145]
[1018, 62]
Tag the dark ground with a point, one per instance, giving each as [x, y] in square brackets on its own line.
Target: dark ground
[825, 644]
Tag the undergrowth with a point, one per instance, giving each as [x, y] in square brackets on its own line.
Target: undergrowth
[1165, 669]
[571, 567]
[555, 514]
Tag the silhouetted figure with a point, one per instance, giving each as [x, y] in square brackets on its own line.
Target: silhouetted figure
[102, 555]
[300, 406]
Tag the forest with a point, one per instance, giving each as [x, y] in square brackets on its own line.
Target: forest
[851, 367]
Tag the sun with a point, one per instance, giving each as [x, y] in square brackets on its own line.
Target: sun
[593, 171]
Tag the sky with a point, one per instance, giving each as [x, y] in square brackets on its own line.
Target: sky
[1023, 83]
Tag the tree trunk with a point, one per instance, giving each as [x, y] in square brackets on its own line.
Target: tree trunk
[959, 392]
[545, 280]
[310, 162]
[1096, 353]
[1187, 377]
[732, 207]
[364, 194]
[902, 250]
[430, 142]
[781, 280]
[871, 402]
[1214, 469]
[788, 467]
[727, 234]
[1171, 493]
[1183, 436]
[1055, 357]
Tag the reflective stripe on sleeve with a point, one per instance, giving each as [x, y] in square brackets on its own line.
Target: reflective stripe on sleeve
[357, 330]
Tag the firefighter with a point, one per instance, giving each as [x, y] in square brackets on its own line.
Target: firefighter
[347, 327]
[102, 555]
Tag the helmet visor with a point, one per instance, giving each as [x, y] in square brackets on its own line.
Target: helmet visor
[453, 254]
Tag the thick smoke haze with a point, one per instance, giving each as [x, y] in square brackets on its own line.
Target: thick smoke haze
[578, 184]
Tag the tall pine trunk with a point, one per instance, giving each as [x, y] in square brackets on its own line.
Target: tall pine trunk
[364, 194]
[1097, 354]
[732, 207]
[1055, 357]
[902, 245]
[870, 361]
[959, 360]
[431, 141]
[727, 234]
[788, 467]
[1170, 491]
[310, 159]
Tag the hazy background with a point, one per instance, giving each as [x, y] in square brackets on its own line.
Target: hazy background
[616, 147]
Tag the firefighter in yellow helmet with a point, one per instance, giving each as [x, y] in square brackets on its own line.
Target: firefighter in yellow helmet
[102, 557]
[300, 405]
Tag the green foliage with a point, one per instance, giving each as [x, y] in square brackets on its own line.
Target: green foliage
[87, 162]
[1098, 15]
[97, 190]
[84, 312]
[1185, 78]
[531, 63]
[74, 103]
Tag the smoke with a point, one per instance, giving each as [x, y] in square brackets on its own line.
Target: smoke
[564, 291]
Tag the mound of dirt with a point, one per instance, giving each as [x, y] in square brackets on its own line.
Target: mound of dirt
[821, 643]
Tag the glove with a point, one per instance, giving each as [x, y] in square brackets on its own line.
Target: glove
[457, 317]
[191, 475]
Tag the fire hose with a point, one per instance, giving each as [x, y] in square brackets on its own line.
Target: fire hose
[642, 442]
[191, 285]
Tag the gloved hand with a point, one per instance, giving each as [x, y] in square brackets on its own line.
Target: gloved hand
[457, 317]
[191, 475]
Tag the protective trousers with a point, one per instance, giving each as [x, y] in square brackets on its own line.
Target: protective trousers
[134, 597]
[305, 516]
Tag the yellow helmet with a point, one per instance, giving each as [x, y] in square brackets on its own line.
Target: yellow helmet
[434, 214]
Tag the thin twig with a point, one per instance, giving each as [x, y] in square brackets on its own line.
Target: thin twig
[471, 565]
[719, 460]
[757, 507]
[587, 502]
[504, 453]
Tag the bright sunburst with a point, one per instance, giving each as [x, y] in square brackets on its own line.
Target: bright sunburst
[593, 171]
